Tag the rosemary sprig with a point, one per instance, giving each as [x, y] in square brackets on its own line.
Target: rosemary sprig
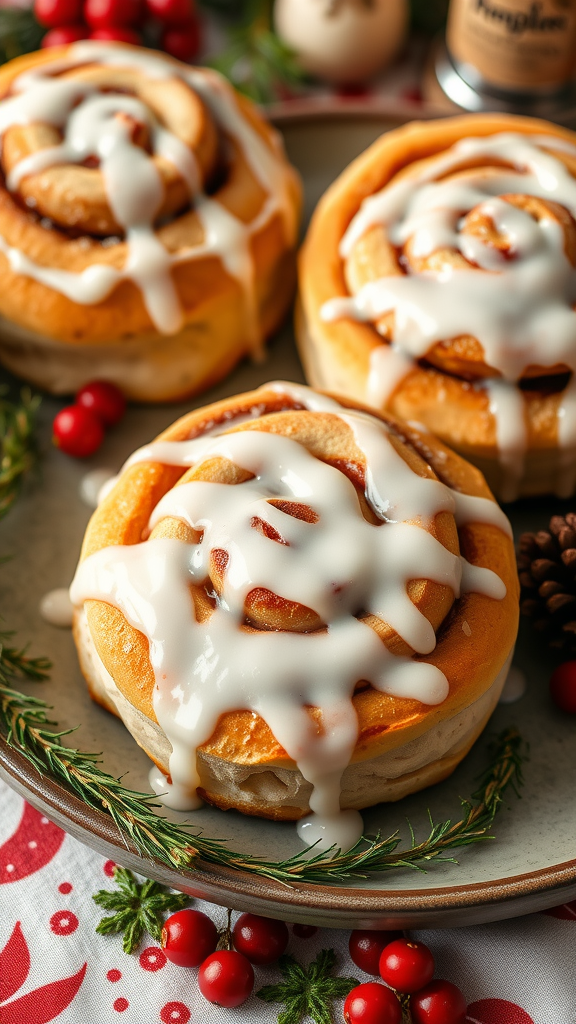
[138, 908]
[255, 60]
[18, 451]
[19, 32]
[24, 720]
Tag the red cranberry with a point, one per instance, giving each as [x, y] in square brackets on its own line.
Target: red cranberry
[112, 13]
[172, 12]
[371, 1003]
[105, 400]
[563, 687]
[226, 978]
[440, 1002]
[261, 939]
[406, 966]
[56, 13]
[116, 35]
[182, 43]
[304, 931]
[64, 36]
[77, 431]
[366, 948]
[188, 937]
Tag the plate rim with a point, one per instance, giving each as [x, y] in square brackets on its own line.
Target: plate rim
[541, 888]
[51, 795]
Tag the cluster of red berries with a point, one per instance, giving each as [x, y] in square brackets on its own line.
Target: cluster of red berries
[176, 22]
[407, 968]
[226, 976]
[79, 429]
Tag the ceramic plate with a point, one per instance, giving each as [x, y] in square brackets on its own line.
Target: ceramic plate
[529, 866]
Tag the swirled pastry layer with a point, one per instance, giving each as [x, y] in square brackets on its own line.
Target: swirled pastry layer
[285, 580]
[446, 256]
[143, 199]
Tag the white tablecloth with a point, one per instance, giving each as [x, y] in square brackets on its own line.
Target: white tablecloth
[518, 972]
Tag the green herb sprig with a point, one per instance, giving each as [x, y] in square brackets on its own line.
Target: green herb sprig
[138, 908]
[307, 991]
[18, 449]
[19, 32]
[27, 728]
[255, 60]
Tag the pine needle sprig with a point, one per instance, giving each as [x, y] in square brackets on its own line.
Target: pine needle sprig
[25, 723]
[15, 663]
[137, 908]
[19, 32]
[18, 449]
[255, 60]
[307, 991]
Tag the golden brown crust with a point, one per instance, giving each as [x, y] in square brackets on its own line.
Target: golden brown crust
[74, 199]
[438, 391]
[475, 633]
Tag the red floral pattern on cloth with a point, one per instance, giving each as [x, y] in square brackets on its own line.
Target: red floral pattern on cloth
[566, 912]
[497, 1011]
[33, 844]
[54, 966]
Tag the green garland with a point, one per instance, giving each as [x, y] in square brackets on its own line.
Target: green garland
[18, 448]
[27, 728]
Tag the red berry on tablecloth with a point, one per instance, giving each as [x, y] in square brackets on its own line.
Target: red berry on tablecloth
[440, 1002]
[172, 12]
[77, 431]
[182, 43]
[406, 966]
[55, 13]
[64, 36]
[188, 937]
[116, 34]
[366, 948]
[261, 939]
[304, 931]
[563, 687]
[371, 1003]
[105, 400]
[111, 13]
[226, 978]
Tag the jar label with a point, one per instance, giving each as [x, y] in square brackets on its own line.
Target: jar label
[515, 44]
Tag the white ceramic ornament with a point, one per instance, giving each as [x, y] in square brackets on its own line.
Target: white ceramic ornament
[342, 41]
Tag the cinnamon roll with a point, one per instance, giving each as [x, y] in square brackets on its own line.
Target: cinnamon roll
[297, 607]
[438, 281]
[148, 222]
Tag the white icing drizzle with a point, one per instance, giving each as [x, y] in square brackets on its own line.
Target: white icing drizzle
[506, 404]
[514, 687]
[522, 313]
[57, 608]
[339, 565]
[92, 485]
[91, 127]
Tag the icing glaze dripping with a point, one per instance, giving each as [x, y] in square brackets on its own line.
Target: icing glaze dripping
[92, 484]
[91, 127]
[57, 608]
[522, 315]
[334, 565]
[514, 687]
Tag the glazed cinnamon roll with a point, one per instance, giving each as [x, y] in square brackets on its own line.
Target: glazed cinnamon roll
[438, 281]
[298, 608]
[148, 220]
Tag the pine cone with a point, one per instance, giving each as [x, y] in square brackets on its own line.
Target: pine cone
[547, 571]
